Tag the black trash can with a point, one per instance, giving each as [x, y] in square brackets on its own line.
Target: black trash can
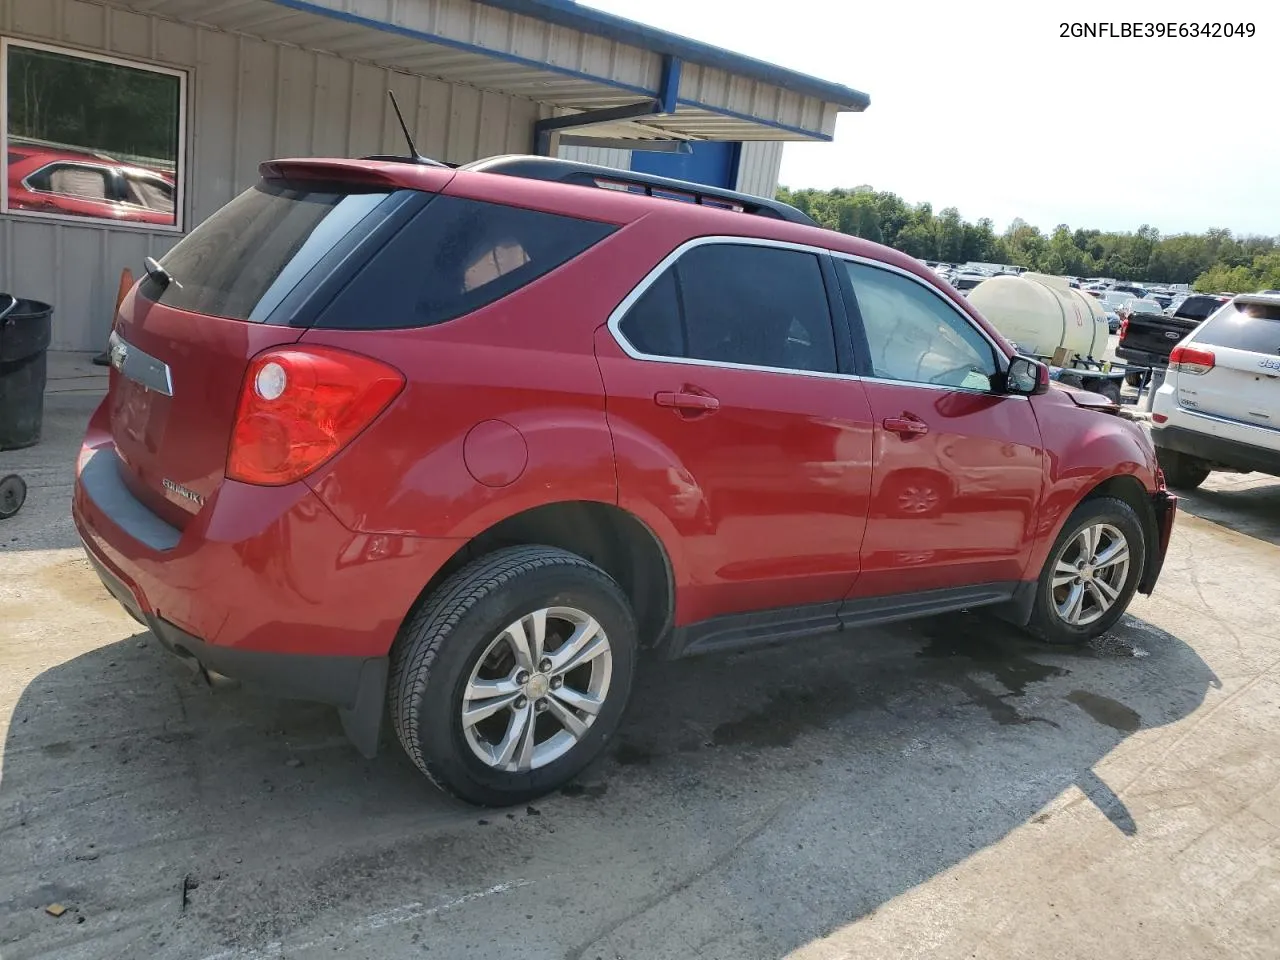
[25, 329]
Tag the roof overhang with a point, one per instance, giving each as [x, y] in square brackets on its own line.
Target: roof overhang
[553, 52]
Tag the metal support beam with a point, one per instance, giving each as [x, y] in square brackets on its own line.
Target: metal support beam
[622, 143]
[669, 92]
[543, 129]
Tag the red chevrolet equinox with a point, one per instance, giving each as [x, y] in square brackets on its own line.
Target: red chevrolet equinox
[457, 445]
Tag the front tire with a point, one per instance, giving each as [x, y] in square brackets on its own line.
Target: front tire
[1180, 470]
[513, 675]
[1091, 574]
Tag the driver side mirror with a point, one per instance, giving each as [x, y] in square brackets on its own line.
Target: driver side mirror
[1026, 377]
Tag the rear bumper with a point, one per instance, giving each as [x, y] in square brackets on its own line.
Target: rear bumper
[263, 585]
[355, 685]
[1226, 451]
[1141, 358]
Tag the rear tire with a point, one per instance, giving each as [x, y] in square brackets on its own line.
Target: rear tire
[1133, 379]
[1101, 529]
[488, 695]
[1182, 470]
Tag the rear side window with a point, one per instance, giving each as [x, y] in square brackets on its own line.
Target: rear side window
[243, 260]
[1244, 326]
[454, 257]
[737, 304]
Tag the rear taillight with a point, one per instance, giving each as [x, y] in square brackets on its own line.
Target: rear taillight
[299, 406]
[1124, 327]
[1159, 417]
[1192, 361]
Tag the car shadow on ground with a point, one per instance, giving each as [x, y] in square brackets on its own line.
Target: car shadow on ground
[1248, 504]
[783, 792]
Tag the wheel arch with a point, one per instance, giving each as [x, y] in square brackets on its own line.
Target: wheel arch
[617, 541]
[1129, 489]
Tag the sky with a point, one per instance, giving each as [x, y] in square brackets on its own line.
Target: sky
[981, 105]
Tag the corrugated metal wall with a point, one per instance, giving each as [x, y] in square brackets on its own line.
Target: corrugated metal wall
[758, 163]
[604, 156]
[248, 101]
[758, 166]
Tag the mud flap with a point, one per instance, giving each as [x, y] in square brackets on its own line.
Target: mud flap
[1165, 507]
[362, 722]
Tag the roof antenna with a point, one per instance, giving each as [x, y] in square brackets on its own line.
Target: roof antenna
[413, 150]
[414, 155]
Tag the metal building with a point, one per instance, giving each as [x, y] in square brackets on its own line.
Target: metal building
[127, 122]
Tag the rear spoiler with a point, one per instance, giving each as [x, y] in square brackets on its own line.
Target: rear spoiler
[377, 174]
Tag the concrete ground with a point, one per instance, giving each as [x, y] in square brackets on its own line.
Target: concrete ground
[941, 789]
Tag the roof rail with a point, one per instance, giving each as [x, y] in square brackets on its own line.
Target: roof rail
[612, 178]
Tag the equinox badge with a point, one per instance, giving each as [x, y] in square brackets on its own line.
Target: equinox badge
[184, 492]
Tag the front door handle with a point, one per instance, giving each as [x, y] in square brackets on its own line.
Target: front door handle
[906, 426]
[687, 402]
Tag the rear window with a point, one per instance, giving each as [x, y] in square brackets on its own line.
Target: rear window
[1244, 326]
[1197, 308]
[247, 257]
[454, 257]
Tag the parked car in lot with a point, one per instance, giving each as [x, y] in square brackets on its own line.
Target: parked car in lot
[1136, 305]
[1147, 338]
[460, 445]
[71, 183]
[964, 282]
[1219, 406]
[1113, 321]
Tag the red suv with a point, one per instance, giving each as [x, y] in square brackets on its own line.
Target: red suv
[74, 183]
[459, 444]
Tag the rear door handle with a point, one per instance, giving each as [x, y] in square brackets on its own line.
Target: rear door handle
[687, 402]
[906, 426]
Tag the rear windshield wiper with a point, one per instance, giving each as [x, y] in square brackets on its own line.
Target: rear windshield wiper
[159, 274]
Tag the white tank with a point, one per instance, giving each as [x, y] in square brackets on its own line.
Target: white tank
[1041, 313]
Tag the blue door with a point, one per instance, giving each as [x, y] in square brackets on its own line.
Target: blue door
[713, 163]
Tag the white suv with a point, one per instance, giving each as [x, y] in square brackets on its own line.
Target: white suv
[1219, 407]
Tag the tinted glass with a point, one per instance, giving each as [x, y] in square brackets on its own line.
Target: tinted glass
[1197, 308]
[1244, 326]
[653, 325]
[242, 261]
[914, 336]
[454, 257]
[731, 303]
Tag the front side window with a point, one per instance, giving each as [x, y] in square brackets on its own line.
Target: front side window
[149, 192]
[737, 304]
[913, 336]
[75, 120]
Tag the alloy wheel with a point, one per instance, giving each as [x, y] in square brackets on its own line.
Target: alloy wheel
[537, 688]
[1090, 573]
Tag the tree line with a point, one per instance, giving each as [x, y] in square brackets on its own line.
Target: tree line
[1211, 261]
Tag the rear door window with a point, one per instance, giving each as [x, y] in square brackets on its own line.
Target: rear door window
[456, 256]
[737, 304]
[82, 181]
[1244, 326]
[247, 257]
